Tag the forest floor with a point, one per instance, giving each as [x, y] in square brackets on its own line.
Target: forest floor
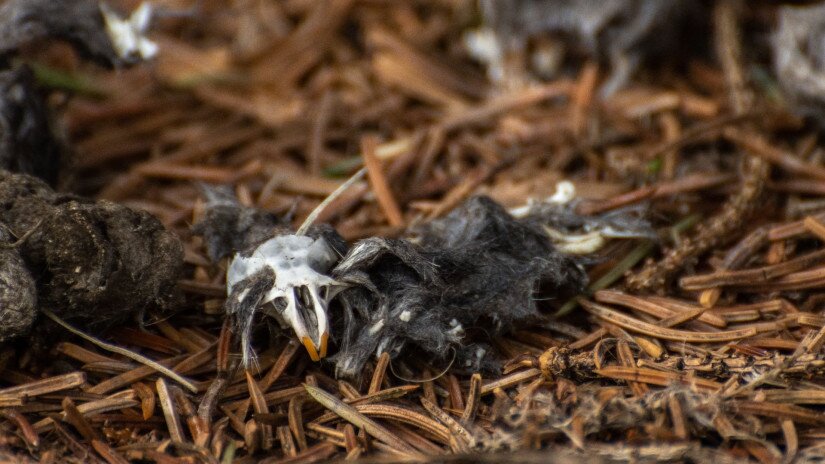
[713, 353]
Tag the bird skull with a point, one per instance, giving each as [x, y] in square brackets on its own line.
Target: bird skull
[299, 294]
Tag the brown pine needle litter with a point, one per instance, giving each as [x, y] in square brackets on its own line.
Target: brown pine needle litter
[701, 344]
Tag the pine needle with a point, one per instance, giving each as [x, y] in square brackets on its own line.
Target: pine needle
[122, 351]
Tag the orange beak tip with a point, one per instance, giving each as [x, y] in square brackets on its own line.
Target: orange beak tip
[324, 339]
[313, 353]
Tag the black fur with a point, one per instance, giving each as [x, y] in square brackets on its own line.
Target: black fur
[477, 268]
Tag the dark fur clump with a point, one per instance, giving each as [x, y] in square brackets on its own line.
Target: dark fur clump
[471, 275]
[228, 227]
[242, 304]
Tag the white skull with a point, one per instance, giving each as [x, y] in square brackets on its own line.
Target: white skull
[301, 289]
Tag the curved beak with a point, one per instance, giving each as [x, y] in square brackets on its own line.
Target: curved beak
[314, 335]
[316, 352]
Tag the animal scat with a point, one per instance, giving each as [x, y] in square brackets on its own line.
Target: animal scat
[94, 261]
[18, 294]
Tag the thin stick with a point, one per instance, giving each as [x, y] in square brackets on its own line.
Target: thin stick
[122, 351]
[332, 196]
